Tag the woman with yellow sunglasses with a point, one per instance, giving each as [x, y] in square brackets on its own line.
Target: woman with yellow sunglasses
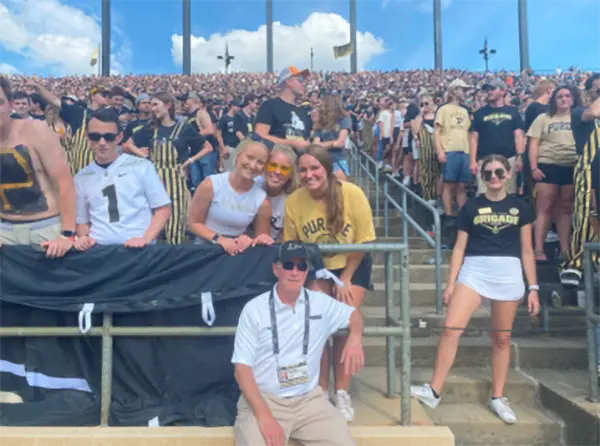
[279, 181]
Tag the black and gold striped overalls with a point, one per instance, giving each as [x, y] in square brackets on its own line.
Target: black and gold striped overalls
[583, 228]
[80, 154]
[165, 157]
[429, 166]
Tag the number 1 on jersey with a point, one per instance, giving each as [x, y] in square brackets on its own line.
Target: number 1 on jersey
[113, 209]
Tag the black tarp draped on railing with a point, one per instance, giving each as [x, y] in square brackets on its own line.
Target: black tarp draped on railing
[176, 380]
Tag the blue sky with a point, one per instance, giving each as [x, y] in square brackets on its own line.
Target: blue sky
[58, 36]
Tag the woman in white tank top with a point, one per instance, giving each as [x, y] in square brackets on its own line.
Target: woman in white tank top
[226, 205]
[278, 182]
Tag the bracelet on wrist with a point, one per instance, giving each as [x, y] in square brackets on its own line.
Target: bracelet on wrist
[534, 288]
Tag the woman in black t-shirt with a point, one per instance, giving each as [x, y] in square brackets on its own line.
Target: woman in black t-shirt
[494, 237]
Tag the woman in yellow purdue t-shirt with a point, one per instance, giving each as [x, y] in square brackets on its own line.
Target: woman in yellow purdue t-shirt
[326, 210]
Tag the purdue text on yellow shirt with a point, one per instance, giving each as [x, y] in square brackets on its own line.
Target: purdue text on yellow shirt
[306, 220]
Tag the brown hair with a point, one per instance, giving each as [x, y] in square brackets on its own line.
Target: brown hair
[5, 85]
[335, 198]
[288, 152]
[498, 158]
[169, 101]
[330, 112]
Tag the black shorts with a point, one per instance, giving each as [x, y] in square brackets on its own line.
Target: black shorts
[555, 174]
[385, 141]
[396, 133]
[362, 275]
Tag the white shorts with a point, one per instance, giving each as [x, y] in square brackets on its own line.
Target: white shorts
[495, 278]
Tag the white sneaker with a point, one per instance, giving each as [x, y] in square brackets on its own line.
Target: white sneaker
[551, 237]
[425, 395]
[343, 403]
[501, 407]
[406, 180]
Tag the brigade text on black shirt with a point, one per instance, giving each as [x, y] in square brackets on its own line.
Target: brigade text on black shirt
[494, 227]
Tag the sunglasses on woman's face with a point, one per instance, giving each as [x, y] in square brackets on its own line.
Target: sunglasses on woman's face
[487, 174]
[424, 104]
[289, 266]
[273, 167]
[108, 137]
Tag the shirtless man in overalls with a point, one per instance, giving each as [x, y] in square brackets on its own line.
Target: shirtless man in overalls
[37, 192]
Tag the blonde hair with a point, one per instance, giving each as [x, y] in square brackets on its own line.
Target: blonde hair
[542, 87]
[244, 145]
[288, 152]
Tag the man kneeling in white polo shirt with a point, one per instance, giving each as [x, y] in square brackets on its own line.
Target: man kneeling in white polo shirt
[278, 346]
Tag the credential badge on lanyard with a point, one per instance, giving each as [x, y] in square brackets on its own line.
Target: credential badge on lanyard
[294, 374]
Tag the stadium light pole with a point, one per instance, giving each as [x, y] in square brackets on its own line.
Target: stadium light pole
[486, 53]
[437, 33]
[354, 54]
[269, 36]
[523, 36]
[187, 37]
[105, 53]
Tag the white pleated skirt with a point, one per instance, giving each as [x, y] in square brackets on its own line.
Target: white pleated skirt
[495, 278]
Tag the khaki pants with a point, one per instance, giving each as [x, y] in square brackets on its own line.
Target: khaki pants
[310, 419]
[511, 185]
[30, 233]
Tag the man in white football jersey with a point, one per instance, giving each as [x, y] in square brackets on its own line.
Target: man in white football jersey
[120, 198]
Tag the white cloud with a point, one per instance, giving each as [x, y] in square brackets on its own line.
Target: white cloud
[51, 34]
[291, 46]
[8, 69]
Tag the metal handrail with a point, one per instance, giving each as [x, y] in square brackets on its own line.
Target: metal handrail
[358, 169]
[435, 243]
[392, 329]
[592, 319]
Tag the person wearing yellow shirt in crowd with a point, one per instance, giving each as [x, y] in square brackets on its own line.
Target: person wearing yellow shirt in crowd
[552, 157]
[451, 141]
[326, 210]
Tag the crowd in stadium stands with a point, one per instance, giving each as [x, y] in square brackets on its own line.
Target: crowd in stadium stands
[246, 159]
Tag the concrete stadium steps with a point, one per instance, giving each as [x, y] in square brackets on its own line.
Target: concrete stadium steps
[565, 393]
[464, 407]
[476, 425]
[534, 352]
[203, 436]
[473, 386]
[425, 322]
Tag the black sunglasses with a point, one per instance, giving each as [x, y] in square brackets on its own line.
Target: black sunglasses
[108, 137]
[424, 104]
[487, 174]
[289, 266]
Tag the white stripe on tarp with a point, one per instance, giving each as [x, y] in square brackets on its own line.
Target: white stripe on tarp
[36, 379]
[208, 309]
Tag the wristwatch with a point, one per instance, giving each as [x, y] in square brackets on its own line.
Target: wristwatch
[68, 234]
[534, 287]
[215, 238]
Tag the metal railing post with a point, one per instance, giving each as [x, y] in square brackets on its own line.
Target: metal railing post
[386, 211]
[438, 262]
[377, 191]
[591, 322]
[404, 219]
[406, 341]
[390, 341]
[107, 368]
